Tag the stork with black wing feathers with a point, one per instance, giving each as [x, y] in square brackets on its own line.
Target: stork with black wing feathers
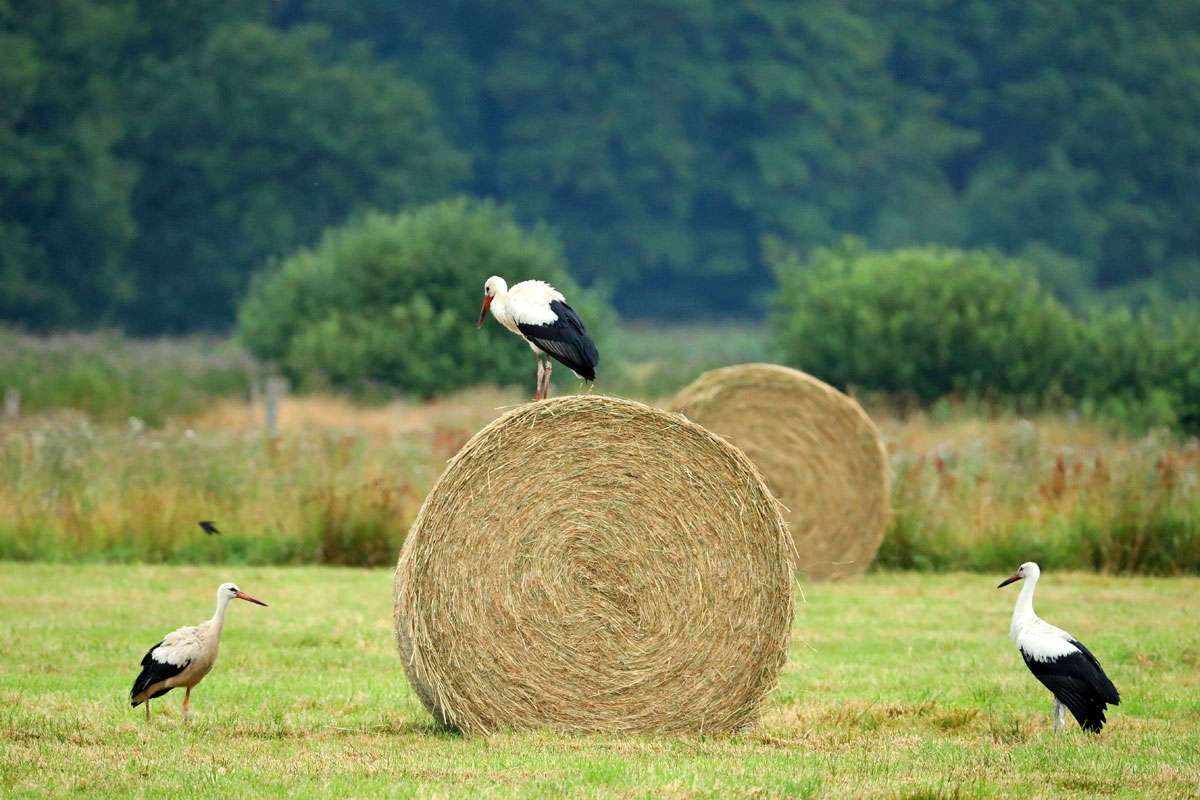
[185, 655]
[1060, 661]
[539, 314]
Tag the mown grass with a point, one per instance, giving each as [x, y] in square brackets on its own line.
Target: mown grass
[897, 685]
[339, 484]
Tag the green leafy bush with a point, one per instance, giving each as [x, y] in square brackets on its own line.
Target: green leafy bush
[1141, 368]
[934, 322]
[924, 321]
[390, 300]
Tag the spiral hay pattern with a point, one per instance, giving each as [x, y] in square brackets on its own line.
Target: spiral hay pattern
[590, 563]
[818, 450]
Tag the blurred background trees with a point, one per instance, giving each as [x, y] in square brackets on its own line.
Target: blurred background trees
[154, 154]
[1017, 182]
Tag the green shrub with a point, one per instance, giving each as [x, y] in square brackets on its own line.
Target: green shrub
[925, 321]
[1141, 368]
[392, 300]
[931, 322]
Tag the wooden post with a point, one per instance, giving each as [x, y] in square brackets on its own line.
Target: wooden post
[12, 403]
[276, 391]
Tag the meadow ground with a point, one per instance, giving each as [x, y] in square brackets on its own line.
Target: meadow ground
[898, 685]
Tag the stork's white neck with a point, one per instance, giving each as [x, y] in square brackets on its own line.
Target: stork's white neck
[218, 620]
[500, 309]
[1023, 610]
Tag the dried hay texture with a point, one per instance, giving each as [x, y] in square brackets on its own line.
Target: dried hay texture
[590, 563]
[818, 450]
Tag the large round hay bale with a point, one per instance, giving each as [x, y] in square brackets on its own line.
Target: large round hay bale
[818, 450]
[590, 563]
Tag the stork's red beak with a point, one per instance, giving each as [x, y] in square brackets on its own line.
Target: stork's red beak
[1010, 579]
[487, 303]
[244, 596]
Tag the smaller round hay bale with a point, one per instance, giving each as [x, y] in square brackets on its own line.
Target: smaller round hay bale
[818, 450]
[590, 563]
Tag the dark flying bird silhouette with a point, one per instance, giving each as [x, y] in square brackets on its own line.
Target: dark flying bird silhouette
[208, 526]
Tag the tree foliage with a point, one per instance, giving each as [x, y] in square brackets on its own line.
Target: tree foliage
[148, 169]
[65, 218]
[931, 322]
[927, 321]
[301, 144]
[667, 139]
[152, 154]
[389, 300]
[1086, 113]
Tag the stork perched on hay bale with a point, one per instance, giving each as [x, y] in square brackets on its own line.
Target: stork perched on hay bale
[184, 656]
[538, 313]
[1060, 661]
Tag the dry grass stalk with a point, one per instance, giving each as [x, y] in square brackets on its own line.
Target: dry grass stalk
[590, 563]
[818, 450]
[301, 414]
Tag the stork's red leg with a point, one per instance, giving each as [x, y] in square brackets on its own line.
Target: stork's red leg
[187, 695]
[147, 711]
[546, 379]
[537, 394]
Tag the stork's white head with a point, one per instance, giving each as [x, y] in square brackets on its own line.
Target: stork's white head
[1027, 570]
[229, 591]
[493, 287]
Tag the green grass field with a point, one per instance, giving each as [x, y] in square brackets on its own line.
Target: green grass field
[898, 685]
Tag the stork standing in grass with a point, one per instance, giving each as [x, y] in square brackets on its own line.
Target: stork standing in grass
[538, 313]
[184, 656]
[1059, 660]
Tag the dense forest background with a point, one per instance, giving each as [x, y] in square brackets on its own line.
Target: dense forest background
[155, 153]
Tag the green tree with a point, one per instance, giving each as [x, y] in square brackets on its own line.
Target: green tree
[251, 146]
[1086, 114]
[65, 209]
[391, 301]
[152, 153]
[665, 139]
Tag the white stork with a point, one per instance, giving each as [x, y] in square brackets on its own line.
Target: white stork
[1059, 660]
[184, 656]
[538, 313]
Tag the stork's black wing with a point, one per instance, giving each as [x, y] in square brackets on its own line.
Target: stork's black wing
[152, 672]
[565, 340]
[1079, 684]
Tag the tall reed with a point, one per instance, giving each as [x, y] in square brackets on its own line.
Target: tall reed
[991, 495]
[340, 484]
